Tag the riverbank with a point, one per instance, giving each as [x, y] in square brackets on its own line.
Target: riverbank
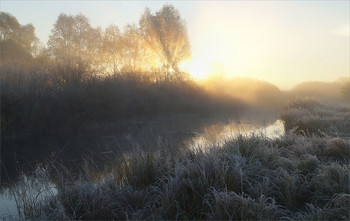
[245, 178]
[310, 116]
[22, 155]
[299, 176]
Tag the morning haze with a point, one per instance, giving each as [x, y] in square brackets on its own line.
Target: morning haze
[232, 110]
[283, 42]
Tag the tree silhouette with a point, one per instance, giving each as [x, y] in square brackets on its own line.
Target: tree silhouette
[18, 42]
[131, 52]
[73, 41]
[111, 48]
[9, 26]
[166, 34]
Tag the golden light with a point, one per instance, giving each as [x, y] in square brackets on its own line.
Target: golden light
[198, 69]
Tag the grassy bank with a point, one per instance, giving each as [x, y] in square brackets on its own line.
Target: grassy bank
[310, 116]
[248, 177]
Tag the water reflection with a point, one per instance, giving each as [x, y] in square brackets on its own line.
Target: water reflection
[29, 190]
[8, 208]
[217, 133]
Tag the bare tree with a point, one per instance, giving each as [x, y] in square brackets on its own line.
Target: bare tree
[166, 34]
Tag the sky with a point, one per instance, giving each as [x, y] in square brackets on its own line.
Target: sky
[283, 42]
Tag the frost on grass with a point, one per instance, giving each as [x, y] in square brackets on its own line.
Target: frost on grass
[310, 116]
[294, 177]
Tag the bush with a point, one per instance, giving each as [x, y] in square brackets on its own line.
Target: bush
[226, 205]
[338, 148]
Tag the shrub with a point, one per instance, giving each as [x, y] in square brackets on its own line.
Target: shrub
[337, 209]
[337, 148]
[308, 165]
[225, 205]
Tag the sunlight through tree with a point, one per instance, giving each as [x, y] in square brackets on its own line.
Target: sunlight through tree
[166, 34]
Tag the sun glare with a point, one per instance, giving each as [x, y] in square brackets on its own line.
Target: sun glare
[201, 69]
[198, 69]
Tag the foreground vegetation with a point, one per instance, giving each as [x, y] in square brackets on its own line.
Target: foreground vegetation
[293, 177]
[247, 177]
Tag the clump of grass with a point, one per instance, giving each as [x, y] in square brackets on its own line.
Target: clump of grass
[308, 165]
[338, 208]
[88, 201]
[141, 170]
[289, 188]
[337, 148]
[338, 177]
[228, 205]
[179, 199]
[91, 201]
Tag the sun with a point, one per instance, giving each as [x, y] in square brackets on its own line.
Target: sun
[198, 69]
[201, 69]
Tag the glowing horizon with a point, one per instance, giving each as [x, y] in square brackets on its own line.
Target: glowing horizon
[282, 42]
[264, 40]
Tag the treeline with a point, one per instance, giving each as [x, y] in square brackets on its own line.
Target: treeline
[157, 44]
[86, 76]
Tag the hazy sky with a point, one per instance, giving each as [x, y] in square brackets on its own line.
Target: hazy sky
[284, 42]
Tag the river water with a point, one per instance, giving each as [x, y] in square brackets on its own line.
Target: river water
[8, 209]
[28, 191]
[216, 134]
